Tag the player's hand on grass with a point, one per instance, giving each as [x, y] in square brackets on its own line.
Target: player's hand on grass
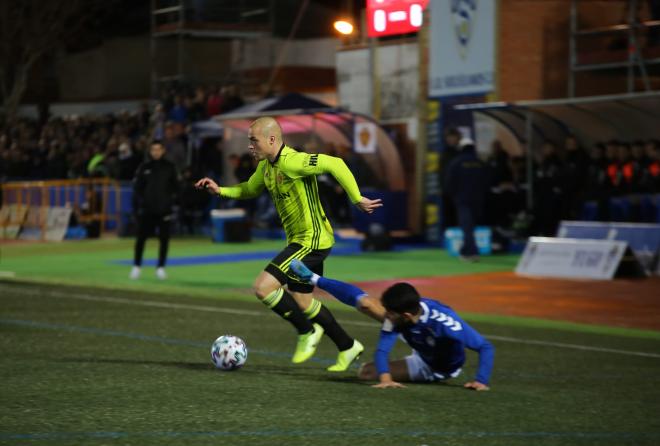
[367, 205]
[476, 385]
[388, 384]
[208, 184]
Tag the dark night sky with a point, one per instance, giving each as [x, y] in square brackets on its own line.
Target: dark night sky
[131, 17]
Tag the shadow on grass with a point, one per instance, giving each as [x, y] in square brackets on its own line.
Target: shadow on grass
[177, 364]
[309, 373]
[355, 380]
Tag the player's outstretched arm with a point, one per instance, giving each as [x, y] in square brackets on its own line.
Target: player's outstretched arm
[476, 385]
[245, 190]
[209, 185]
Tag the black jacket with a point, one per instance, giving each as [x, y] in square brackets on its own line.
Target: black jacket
[468, 178]
[155, 187]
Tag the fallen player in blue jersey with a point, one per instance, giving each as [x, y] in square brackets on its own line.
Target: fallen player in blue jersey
[437, 335]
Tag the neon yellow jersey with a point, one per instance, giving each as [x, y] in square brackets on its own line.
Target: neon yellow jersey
[291, 182]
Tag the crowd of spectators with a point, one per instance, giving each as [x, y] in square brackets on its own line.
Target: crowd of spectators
[565, 177]
[112, 145]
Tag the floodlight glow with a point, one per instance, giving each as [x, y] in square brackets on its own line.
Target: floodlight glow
[344, 27]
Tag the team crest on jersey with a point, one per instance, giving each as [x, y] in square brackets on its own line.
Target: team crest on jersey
[430, 341]
[280, 178]
[462, 14]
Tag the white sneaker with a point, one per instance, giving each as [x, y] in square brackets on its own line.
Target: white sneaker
[135, 273]
[160, 273]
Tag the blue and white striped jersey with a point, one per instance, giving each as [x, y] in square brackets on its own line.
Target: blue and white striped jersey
[440, 337]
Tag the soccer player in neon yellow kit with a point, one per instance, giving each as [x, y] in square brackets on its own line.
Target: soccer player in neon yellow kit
[290, 178]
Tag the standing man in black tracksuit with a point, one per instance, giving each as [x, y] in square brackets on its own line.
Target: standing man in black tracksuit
[467, 181]
[155, 187]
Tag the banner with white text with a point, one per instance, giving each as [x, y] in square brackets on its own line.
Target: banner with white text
[462, 48]
[571, 258]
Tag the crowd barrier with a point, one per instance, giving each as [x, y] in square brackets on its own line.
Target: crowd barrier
[40, 209]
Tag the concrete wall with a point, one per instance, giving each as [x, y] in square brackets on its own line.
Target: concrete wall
[118, 69]
[121, 68]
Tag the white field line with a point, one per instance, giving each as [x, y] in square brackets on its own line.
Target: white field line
[214, 309]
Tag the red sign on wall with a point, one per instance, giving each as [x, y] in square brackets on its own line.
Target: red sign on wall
[391, 17]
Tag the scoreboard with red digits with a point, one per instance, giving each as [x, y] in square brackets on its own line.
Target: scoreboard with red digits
[391, 17]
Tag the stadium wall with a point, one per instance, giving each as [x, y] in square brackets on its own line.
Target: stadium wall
[533, 47]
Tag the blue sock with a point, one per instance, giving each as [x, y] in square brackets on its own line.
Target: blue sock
[345, 292]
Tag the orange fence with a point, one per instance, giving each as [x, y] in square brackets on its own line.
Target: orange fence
[26, 204]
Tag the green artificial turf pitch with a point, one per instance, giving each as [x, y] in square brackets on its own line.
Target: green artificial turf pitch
[128, 363]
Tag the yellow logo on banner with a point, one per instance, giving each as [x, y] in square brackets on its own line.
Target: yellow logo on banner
[365, 136]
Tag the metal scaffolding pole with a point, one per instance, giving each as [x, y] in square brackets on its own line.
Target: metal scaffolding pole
[634, 58]
[571, 52]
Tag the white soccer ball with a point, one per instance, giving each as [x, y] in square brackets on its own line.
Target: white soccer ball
[229, 352]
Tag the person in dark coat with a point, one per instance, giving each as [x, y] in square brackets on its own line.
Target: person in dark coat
[155, 187]
[449, 152]
[466, 182]
[548, 191]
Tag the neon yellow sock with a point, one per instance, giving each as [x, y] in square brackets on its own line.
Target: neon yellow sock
[313, 310]
[273, 298]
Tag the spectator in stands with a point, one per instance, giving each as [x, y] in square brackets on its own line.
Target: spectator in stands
[77, 163]
[96, 166]
[629, 170]
[499, 164]
[143, 117]
[155, 187]
[233, 99]
[613, 168]
[128, 162]
[38, 157]
[572, 177]
[178, 113]
[197, 106]
[56, 167]
[502, 203]
[466, 182]
[650, 179]
[214, 102]
[639, 162]
[596, 174]
[175, 147]
[596, 181]
[157, 122]
[547, 191]
[449, 152]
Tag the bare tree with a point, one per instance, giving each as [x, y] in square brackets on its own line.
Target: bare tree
[29, 29]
